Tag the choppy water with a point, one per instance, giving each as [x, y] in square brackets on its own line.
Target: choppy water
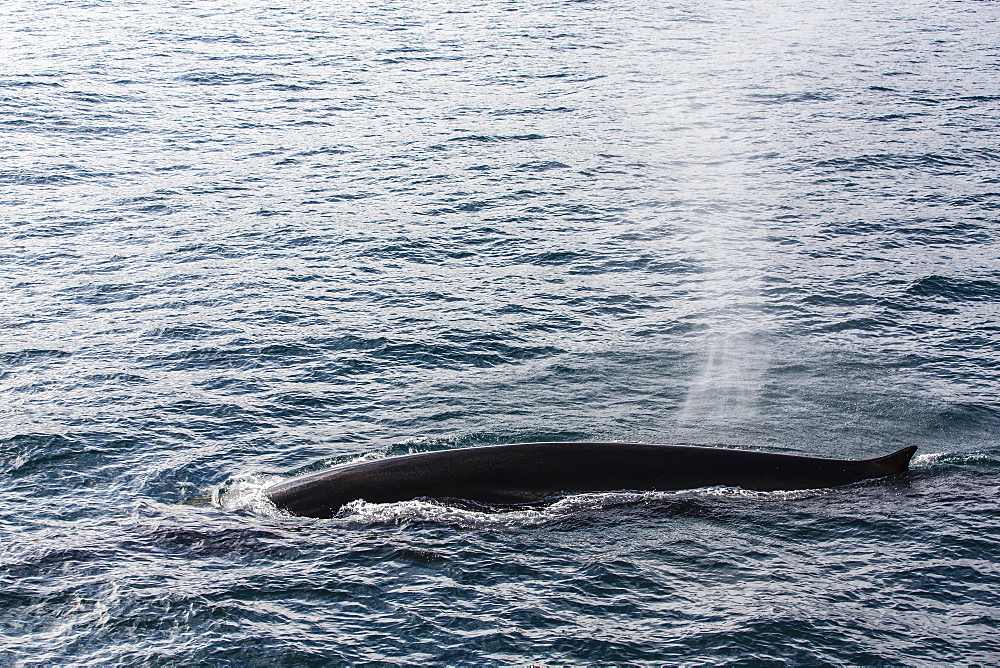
[246, 240]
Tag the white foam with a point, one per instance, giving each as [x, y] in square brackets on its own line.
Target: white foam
[926, 460]
[246, 492]
[420, 510]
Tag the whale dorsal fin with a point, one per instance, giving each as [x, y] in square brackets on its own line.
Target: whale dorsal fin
[896, 462]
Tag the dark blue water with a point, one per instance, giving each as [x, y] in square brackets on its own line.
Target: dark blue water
[243, 241]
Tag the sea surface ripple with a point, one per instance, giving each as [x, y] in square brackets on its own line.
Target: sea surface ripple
[242, 241]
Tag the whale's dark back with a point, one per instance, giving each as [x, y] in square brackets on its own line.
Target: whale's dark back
[529, 472]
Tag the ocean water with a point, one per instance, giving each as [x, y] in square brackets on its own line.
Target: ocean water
[242, 241]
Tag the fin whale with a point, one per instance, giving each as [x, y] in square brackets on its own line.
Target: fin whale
[529, 472]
